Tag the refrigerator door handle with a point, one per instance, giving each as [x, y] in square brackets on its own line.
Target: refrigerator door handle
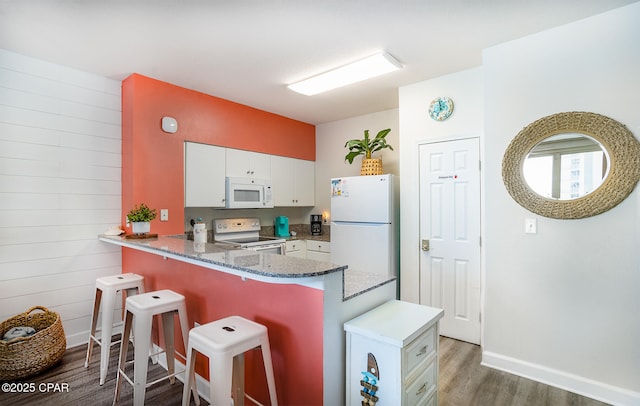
[356, 223]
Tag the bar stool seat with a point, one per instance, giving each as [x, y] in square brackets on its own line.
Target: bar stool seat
[224, 342]
[139, 312]
[107, 288]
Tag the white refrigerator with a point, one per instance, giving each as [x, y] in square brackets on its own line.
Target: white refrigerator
[364, 223]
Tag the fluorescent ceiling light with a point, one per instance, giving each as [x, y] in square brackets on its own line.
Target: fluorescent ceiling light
[366, 68]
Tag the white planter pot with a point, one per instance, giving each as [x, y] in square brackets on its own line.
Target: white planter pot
[141, 227]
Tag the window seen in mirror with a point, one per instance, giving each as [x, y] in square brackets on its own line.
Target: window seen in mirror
[556, 170]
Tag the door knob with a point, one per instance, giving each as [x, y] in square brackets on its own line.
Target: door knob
[425, 245]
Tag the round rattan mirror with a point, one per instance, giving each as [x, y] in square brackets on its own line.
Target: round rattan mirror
[622, 173]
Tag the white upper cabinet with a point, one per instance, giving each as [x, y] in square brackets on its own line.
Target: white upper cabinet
[204, 172]
[247, 164]
[293, 181]
[205, 168]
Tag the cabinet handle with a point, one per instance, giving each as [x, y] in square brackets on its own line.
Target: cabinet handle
[422, 389]
[422, 351]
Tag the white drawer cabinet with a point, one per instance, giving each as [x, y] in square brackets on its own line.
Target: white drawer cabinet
[309, 249]
[319, 250]
[402, 337]
[296, 248]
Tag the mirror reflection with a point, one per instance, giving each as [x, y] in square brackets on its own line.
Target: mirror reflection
[566, 166]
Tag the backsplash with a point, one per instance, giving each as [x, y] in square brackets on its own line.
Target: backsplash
[303, 231]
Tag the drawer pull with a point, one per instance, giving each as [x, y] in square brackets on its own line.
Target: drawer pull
[422, 351]
[422, 389]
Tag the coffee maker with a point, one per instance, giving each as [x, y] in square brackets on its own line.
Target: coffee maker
[316, 224]
[281, 225]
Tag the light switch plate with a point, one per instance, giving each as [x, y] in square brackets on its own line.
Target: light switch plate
[530, 226]
[164, 214]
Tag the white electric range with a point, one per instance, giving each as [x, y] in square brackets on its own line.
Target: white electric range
[245, 233]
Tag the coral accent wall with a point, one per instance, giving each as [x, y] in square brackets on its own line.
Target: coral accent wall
[153, 173]
[293, 315]
[153, 161]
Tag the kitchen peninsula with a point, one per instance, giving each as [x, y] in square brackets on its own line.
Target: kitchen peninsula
[303, 303]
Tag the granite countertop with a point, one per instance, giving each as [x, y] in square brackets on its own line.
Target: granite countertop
[253, 262]
[277, 266]
[356, 283]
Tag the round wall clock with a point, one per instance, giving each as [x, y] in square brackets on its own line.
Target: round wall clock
[441, 108]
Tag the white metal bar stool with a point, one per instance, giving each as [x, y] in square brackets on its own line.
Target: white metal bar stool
[224, 342]
[139, 312]
[106, 292]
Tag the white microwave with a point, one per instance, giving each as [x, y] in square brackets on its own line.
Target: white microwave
[248, 193]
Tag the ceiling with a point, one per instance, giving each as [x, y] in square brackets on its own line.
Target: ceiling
[247, 51]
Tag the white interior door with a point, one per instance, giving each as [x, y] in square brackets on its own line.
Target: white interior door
[450, 222]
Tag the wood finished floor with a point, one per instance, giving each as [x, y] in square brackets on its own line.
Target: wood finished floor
[463, 381]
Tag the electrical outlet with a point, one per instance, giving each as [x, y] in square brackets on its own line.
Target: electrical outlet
[164, 214]
[530, 226]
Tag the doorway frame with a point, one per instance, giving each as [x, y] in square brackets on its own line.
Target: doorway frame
[460, 137]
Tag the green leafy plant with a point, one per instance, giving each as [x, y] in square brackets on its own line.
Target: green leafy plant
[367, 145]
[141, 213]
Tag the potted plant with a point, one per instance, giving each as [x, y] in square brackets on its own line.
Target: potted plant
[366, 146]
[140, 217]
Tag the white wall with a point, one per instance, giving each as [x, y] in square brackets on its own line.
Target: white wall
[560, 306]
[465, 89]
[59, 188]
[563, 305]
[330, 150]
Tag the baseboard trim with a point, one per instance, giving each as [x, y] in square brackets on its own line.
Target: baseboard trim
[577, 384]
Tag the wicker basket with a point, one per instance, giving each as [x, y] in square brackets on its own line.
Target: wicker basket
[372, 166]
[26, 356]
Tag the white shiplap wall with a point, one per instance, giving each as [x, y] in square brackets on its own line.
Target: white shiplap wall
[60, 186]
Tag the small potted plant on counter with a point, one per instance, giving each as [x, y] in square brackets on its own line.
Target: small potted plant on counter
[140, 217]
[366, 146]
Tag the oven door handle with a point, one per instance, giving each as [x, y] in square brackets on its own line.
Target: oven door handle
[264, 247]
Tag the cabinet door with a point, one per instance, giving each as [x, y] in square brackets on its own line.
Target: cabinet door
[281, 181]
[293, 181]
[296, 248]
[250, 164]
[304, 182]
[204, 171]
[319, 250]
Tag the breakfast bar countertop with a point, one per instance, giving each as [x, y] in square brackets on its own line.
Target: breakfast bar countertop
[251, 264]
